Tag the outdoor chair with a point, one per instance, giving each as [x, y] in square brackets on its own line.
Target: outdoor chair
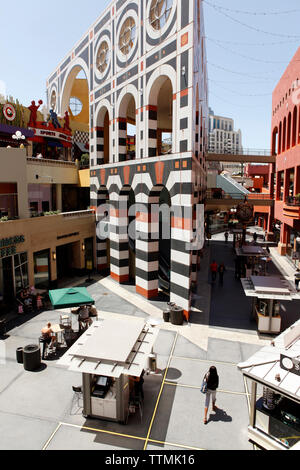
[65, 322]
[78, 396]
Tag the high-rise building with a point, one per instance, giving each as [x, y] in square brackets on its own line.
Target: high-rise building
[223, 138]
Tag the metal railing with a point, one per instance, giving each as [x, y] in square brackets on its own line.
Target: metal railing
[293, 201]
[238, 195]
[243, 151]
[46, 162]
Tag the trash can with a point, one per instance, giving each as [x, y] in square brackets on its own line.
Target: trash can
[166, 315]
[176, 316]
[31, 357]
[19, 354]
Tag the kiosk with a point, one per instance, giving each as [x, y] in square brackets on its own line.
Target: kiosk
[273, 375]
[267, 292]
[108, 355]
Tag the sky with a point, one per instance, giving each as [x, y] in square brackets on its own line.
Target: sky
[249, 45]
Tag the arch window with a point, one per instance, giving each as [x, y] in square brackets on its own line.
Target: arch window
[127, 36]
[75, 106]
[160, 11]
[103, 57]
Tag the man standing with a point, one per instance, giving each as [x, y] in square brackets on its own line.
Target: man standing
[221, 270]
[214, 271]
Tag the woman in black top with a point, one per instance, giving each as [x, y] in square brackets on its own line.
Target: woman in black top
[212, 380]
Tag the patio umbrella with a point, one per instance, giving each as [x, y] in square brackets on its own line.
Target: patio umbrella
[73, 297]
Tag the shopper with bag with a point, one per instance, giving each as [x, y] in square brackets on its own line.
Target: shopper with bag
[209, 388]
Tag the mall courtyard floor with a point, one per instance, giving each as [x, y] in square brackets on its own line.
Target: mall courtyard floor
[39, 410]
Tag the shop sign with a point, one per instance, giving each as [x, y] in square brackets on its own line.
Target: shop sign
[8, 245]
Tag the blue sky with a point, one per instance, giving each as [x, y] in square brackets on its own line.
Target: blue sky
[35, 36]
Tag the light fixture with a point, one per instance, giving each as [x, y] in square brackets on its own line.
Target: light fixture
[54, 255]
[83, 247]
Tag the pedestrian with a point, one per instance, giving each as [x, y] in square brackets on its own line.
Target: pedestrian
[297, 279]
[214, 271]
[221, 270]
[212, 381]
[226, 237]
[255, 237]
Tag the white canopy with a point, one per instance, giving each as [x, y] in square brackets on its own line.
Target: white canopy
[112, 347]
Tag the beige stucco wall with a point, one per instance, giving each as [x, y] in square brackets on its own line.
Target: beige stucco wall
[56, 172]
[41, 234]
[13, 170]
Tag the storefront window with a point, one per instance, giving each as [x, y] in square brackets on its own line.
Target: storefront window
[21, 272]
[42, 269]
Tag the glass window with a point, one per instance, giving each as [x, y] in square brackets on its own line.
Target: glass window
[160, 11]
[103, 55]
[42, 269]
[75, 106]
[127, 36]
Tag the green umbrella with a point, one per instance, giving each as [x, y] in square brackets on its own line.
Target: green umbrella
[73, 297]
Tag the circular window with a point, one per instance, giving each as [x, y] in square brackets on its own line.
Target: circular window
[75, 106]
[127, 36]
[160, 11]
[103, 55]
[53, 99]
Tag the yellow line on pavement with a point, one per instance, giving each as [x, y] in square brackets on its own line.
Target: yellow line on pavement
[233, 364]
[51, 437]
[101, 431]
[160, 392]
[199, 388]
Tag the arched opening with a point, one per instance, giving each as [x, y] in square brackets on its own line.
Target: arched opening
[289, 126]
[103, 136]
[294, 132]
[275, 141]
[284, 135]
[127, 128]
[280, 138]
[75, 101]
[75, 97]
[160, 117]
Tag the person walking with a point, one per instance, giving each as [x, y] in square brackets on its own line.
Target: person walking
[214, 270]
[226, 237]
[221, 271]
[297, 279]
[212, 381]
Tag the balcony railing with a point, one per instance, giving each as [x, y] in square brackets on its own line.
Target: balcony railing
[243, 151]
[46, 162]
[293, 201]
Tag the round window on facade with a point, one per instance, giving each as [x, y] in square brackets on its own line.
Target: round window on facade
[75, 106]
[53, 99]
[160, 11]
[127, 36]
[103, 55]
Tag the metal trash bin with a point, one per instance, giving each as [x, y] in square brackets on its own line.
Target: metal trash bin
[32, 357]
[166, 316]
[177, 316]
[19, 355]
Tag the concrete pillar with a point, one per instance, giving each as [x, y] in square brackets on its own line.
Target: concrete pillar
[59, 197]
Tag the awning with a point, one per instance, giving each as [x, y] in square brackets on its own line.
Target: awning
[112, 347]
[74, 297]
[81, 147]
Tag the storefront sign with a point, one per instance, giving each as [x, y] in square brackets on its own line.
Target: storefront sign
[52, 134]
[8, 245]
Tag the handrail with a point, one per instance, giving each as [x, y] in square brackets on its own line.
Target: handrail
[44, 161]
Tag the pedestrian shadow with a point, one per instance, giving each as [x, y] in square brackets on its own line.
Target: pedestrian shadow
[220, 415]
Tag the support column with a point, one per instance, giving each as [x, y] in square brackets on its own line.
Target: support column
[122, 139]
[147, 251]
[119, 243]
[103, 219]
[181, 257]
[284, 239]
[152, 130]
[100, 145]
[59, 197]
